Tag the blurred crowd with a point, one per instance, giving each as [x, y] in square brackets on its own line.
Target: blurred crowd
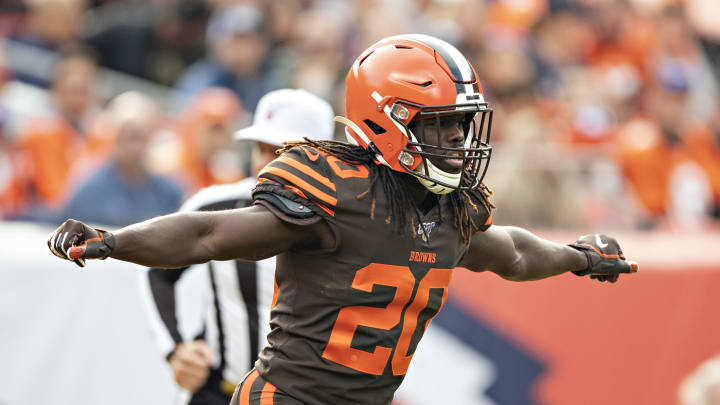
[606, 111]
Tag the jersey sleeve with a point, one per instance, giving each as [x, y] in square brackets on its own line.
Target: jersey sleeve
[485, 225]
[481, 211]
[298, 186]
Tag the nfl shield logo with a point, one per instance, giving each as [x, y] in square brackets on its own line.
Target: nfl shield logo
[424, 229]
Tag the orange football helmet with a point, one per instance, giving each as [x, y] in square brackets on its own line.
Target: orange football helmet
[418, 77]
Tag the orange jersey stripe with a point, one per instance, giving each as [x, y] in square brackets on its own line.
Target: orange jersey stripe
[487, 223]
[328, 199]
[276, 289]
[311, 156]
[358, 171]
[268, 393]
[326, 209]
[246, 385]
[307, 170]
[296, 191]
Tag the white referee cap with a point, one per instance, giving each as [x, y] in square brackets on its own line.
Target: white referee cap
[289, 115]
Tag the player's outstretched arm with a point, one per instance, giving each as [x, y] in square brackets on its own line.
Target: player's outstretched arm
[517, 254]
[184, 238]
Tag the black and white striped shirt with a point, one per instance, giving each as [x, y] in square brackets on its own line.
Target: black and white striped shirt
[236, 295]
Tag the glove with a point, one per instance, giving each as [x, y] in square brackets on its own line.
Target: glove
[75, 241]
[605, 258]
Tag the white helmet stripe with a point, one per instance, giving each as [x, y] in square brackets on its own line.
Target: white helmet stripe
[458, 64]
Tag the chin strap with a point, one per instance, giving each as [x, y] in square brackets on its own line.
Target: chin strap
[435, 173]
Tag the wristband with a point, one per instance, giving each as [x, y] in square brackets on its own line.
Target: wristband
[108, 243]
[586, 250]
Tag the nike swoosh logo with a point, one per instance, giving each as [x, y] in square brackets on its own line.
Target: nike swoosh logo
[600, 242]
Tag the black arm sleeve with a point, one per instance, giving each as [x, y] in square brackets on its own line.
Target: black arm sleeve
[162, 285]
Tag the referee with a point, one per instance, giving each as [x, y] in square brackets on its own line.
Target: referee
[236, 313]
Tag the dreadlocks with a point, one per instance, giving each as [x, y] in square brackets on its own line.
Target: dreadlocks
[399, 197]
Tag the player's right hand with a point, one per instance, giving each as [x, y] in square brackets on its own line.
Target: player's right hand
[190, 363]
[76, 241]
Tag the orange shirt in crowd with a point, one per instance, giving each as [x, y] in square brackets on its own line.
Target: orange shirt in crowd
[12, 185]
[702, 147]
[205, 132]
[50, 147]
[646, 161]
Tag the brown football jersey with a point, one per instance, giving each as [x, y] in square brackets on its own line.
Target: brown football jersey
[347, 320]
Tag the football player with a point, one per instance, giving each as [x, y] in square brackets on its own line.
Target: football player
[367, 233]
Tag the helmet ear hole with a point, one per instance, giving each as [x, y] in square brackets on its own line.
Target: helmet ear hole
[377, 129]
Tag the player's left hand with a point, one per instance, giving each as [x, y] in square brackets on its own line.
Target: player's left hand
[606, 260]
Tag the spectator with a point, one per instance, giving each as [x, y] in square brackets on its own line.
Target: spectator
[53, 23]
[703, 15]
[12, 192]
[239, 57]
[380, 19]
[49, 25]
[283, 19]
[123, 191]
[4, 73]
[122, 34]
[704, 143]
[203, 141]
[318, 56]
[52, 141]
[148, 39]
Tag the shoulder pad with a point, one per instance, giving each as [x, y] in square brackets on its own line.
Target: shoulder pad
[286, 206]
[303, 175]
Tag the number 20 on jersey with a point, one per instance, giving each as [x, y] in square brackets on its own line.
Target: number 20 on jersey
[339, 348]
